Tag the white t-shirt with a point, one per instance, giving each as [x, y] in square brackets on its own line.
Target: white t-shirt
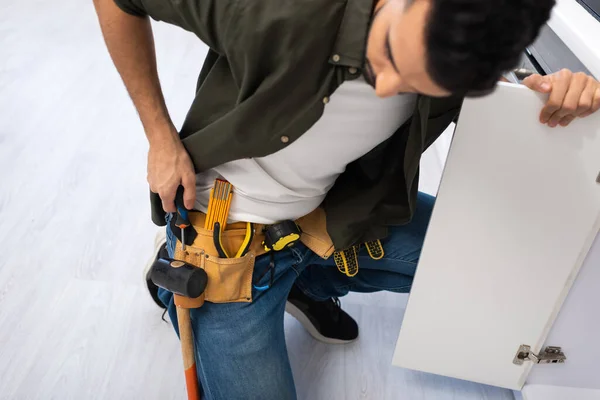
[293, 182]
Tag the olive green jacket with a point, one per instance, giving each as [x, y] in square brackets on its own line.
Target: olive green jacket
[270, 70]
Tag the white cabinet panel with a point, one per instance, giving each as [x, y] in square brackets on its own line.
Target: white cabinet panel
[577, 331]
[517, 211]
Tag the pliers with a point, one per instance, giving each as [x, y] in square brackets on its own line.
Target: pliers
[243, 248]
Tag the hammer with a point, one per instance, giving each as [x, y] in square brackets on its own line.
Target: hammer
[185, 280]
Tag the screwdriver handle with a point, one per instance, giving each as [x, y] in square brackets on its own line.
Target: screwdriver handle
[182, 220]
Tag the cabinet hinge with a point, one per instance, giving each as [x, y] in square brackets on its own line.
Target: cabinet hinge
[550, 355]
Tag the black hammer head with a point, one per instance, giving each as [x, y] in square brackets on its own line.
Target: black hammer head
[178, 277]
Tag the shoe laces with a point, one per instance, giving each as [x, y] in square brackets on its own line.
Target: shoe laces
[334, 306]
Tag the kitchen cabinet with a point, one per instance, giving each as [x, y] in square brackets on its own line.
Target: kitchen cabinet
[517, 213]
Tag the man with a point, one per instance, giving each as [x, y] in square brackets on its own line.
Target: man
[285, 110]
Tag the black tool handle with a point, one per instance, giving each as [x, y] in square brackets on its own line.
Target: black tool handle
[182, 220]
[178, 277]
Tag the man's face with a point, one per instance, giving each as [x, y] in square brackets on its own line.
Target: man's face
[396, 49]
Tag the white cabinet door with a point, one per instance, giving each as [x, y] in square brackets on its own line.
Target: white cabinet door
[516, 213]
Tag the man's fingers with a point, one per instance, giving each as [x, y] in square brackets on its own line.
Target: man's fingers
[573, 98]
[566, 120]
[538, 83]
[168, 200]
[596, 101]
[189, 190]
[169, 207]
[555, 119]
[560, 85]
[595, 104]
[586, 100]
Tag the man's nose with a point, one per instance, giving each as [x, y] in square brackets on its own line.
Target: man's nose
[387, 85]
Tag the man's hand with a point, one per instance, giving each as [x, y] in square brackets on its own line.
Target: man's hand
[169, 165]
[572, 95]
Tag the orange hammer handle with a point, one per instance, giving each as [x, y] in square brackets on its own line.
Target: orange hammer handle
[187, 351]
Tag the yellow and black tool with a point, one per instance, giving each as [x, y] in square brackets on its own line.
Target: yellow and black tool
[219, 204]
[375, 249]
[347, 260]
[217, 215]
[243, 248]
[182, 221]
[281, 235]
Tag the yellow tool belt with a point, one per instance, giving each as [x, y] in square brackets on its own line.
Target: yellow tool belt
[230, 279]
[228, 255]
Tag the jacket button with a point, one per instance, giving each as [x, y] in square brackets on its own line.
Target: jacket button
[352, 70]
[285, 139]
[325, 100]
[336, 58]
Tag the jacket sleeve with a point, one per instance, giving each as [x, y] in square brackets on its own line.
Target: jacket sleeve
[133, 7]
[207, 19]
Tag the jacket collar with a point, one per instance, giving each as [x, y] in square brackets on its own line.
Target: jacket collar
[351, 42]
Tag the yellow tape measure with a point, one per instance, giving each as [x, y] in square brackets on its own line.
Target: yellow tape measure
[281, 235]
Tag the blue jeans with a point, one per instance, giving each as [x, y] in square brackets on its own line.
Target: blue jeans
[240, 347]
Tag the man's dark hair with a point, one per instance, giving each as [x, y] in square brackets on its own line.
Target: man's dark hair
[471, 43]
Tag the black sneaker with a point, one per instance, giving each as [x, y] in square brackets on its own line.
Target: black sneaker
[324, 320]
[160, 250]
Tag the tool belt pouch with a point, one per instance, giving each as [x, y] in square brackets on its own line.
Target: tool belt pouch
[314, 233]
[229, 279]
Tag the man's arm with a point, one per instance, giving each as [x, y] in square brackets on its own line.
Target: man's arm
[131, 46]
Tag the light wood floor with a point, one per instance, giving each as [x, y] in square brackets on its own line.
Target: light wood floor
[75, 320]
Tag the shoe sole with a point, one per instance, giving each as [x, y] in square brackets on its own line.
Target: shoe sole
[159, 240]
[308, 325]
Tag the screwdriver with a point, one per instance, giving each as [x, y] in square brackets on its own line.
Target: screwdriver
[182, 220]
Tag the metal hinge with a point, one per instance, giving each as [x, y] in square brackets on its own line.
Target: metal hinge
[550, 355]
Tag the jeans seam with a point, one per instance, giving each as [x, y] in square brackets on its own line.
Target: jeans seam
[295, 269]
[390, 259]
[410, 263]
[205, 388]
[310, 293]
[405, 287]
[300, 257]
[306, 291]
